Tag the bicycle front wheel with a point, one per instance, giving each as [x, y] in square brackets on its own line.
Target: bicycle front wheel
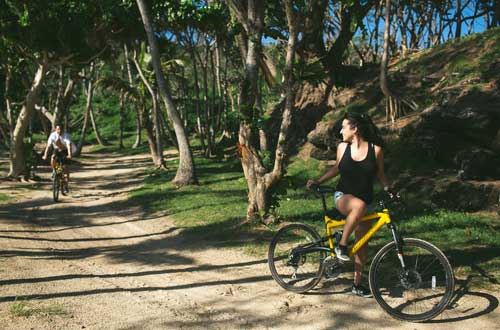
[419, 292]
[292, 266]
[55, 187]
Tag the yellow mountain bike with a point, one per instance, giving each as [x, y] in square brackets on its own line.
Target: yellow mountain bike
[57, 179]
[410, 279]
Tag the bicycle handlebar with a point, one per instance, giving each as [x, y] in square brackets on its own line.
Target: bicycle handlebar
[391, 198]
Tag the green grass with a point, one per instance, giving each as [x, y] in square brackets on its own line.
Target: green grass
[25, 308]
[128, 141]
[4, 197]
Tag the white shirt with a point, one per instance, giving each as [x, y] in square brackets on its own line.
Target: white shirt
[54, 137]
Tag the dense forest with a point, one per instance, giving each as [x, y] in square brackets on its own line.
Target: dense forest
[255, 74]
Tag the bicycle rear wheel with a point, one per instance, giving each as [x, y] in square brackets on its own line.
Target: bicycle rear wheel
[55, 187]
[293, 269]
[419, 293]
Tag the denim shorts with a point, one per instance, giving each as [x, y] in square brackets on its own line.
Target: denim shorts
[336, 196]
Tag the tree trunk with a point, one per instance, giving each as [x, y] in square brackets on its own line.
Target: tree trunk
[186, 172]
[167, 131]
[59, 96]
[17, 154]
[196, 86]
[10, 121]
[458, 15]
[137, 142]
[403, 28]
[289, 90]
[378, 10]
[98, 136]
[394, 103]
[313, 44]
[495, 20]
[5, 137]
[62, 110]
[120, 134]
[151, 138]
[206, 100]
[259, 180]
[158, 159]
[384, 86]
[88, 107]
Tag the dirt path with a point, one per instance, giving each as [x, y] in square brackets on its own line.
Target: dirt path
[93, 262]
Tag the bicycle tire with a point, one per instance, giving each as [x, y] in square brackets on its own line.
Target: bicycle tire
[419, 294]
[55, 187]
[284, 264]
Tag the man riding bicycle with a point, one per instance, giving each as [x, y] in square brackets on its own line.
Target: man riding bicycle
[61, 151]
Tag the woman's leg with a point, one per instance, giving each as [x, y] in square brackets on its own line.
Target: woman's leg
[361, 255]
[355, 209]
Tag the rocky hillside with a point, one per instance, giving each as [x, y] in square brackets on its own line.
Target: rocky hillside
[447, 151]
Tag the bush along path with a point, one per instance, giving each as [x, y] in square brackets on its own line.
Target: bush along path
[96, 261]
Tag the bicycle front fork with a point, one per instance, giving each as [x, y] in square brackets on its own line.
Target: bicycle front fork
[399, 244]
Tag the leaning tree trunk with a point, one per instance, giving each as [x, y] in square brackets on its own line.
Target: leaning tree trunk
[158, 153]
[148, 127]
[137, 142]
[98, 136]
[120, 134]
[17, 154]
[185, 172]
[88, 106]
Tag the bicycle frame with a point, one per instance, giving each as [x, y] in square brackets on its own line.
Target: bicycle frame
[383, 219]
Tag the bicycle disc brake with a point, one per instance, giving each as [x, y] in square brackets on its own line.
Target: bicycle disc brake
[411, 280]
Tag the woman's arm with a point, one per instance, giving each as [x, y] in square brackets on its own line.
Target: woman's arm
[333, 171]
[379, 154]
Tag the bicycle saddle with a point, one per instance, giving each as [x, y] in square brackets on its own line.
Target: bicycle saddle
[335, 214]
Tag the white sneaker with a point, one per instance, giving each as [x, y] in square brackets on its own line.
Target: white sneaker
[341, 255]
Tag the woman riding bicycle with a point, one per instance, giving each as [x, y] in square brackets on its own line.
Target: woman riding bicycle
[359, 160]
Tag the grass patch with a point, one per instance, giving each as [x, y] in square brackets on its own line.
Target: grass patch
[128, 140]
[25, 308]
[213, 207]
[4, 197]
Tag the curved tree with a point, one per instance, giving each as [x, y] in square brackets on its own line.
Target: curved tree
[186, 171]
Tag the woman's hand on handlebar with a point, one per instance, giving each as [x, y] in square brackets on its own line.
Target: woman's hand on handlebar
[311, 183]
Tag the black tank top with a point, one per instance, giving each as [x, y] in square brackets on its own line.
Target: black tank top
[356, 177]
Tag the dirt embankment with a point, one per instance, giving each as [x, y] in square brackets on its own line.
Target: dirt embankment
[93, 262]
